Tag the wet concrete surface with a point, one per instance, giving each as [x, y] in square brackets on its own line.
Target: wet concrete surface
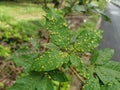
[111, 35]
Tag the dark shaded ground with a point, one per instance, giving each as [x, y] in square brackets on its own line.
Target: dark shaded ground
[111, 35]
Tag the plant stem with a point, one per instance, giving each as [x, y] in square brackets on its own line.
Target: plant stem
[59, 87]
[77, 75]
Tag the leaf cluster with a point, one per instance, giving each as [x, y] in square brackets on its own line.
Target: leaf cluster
[46, 61]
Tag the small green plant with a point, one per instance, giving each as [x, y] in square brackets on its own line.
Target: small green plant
[55, 50]
[47, 59]
[87, 7]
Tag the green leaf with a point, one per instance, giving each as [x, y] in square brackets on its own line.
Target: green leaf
[73, 39]
[50, 60]
[57, 28]
[94, 56]
[46, 84]
[92, 84]
[107, 75]
[35, 43]
[87, 38]
[104, 56]
[76, 61]
[93, 4]
[111, 87]
[32, 82]
[58, 75]
[113, 65]
[104, 16]
[24, 57]
[79, 8]
[50, 46]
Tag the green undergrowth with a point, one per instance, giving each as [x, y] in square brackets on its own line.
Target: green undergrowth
[31, 1]
[49, 52]
[18, 24]
[102, 4]
[64, 50]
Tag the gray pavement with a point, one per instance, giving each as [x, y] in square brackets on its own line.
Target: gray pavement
[116, 2]
[111, 35]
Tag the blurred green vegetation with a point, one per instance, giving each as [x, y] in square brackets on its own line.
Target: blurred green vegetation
[21, 21]
[18, 23]
[33, 1]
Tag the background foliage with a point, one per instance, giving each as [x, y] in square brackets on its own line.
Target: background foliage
[47, 50]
